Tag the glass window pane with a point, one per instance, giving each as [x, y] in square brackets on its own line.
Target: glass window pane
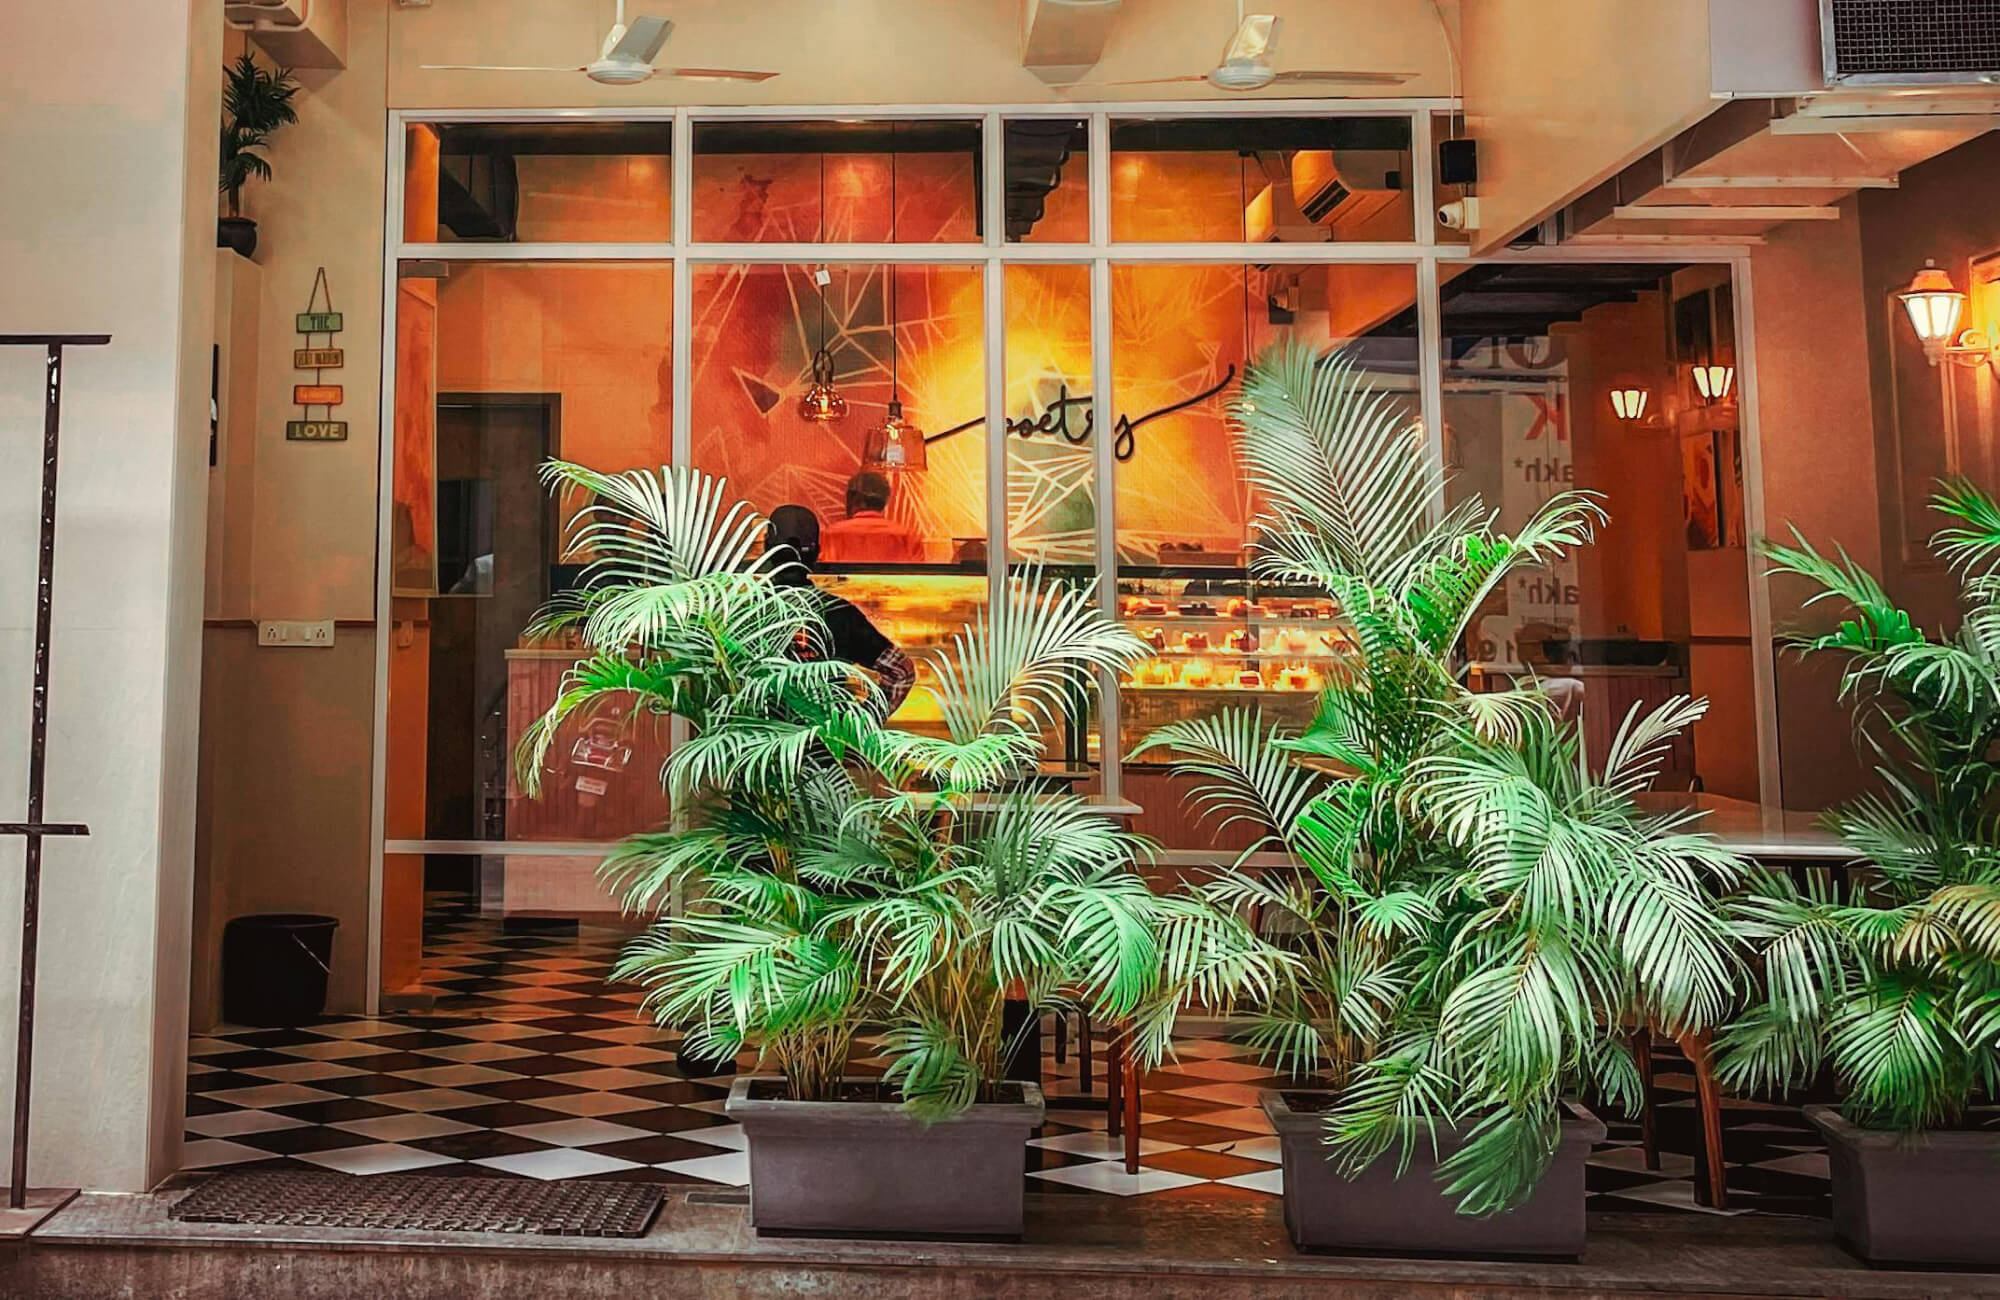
[1545, 366]
[501, 366]
[1051, 467]
[836, 182]
[538, 182]
[1048, 180]
[909, 334]
[1252, 179]
[1180, 336]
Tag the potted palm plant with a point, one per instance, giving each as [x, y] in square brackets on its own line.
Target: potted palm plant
[840, 875]
[1896, 984]
[1478, 922]
[256, 101]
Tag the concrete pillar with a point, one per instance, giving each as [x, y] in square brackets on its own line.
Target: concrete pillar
[108, 113]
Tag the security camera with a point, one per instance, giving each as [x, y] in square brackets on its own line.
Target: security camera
[1460, 214]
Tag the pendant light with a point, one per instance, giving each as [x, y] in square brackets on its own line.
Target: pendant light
[822, 403]
[896, 446]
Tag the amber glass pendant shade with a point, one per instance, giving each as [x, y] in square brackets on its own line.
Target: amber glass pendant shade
[895, 446]
[822, 403]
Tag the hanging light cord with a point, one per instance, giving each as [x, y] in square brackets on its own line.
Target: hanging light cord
[895, 353]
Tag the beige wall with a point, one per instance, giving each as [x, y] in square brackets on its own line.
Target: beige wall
[882, 51]
[287, 734]
[1561, 94]
[110, 147]
[1947, 209]
[1819, 465]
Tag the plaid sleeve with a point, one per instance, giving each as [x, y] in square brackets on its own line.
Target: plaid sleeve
[898, 674]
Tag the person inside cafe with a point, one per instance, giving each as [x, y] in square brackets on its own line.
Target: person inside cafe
[868, 535]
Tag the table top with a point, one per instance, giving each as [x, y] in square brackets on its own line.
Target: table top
[1754, 830]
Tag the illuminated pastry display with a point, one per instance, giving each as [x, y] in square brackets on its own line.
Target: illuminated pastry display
[1221, 634]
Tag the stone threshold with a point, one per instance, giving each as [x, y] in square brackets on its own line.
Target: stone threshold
[1146, 1248]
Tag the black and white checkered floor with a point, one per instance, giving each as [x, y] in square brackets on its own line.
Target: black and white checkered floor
[529, 1064]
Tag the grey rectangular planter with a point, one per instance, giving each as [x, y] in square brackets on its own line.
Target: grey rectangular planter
[1411, 1215]
[1927, 1199]
[867, 1168]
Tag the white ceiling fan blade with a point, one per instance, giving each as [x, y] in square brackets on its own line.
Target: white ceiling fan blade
[1347, 78]
[717, 74]
[1254, 40]
[642, 41]
[492, 67]
[1144, 81]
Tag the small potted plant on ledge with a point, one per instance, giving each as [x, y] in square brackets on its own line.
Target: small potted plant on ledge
[839, 877]
[1477, 923]
[256, 101]
[1896, 985]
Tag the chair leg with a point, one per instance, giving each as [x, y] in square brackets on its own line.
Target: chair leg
[1062, 1036]
[1649, 1116]
[1708, 1095]
[1131, 1098]
[1083, 1051]
[1114, 1082]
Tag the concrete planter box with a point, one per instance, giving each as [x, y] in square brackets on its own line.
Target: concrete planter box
[1928, 1199]
[1411, 1215]
[866, 1168]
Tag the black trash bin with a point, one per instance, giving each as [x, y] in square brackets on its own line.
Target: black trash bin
[274, 968]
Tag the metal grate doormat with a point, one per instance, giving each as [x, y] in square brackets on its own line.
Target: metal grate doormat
[413, 1202]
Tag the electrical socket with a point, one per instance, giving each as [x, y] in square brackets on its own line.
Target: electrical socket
[316, 634]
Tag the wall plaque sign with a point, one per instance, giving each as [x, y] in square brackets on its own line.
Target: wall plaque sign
[318, 318]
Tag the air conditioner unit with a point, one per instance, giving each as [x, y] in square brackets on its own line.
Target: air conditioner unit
[295, 33]
[1341, 187]
[1910, 42]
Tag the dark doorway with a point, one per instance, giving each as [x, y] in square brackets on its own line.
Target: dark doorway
[496, 543]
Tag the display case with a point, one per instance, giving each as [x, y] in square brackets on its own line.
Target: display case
[1220, 636]
[921, 608]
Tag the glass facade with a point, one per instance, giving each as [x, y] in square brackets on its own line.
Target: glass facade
[1051, 299]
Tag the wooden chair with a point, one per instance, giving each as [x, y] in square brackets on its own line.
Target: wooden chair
[1700, 1053]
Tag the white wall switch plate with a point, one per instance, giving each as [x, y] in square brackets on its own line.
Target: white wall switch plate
[315, 634]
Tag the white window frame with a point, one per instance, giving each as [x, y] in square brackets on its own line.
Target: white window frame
[992, 254]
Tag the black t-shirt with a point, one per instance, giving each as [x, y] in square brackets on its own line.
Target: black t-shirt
[855, 639]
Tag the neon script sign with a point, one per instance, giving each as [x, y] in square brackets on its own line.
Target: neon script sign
[1055, 419]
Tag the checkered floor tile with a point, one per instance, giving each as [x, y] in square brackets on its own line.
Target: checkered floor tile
[527, 1063]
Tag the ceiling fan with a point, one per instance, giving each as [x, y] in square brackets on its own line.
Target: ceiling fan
[1246, 63]
[626, 58]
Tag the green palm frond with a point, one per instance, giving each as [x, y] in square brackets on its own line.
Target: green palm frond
[1340, 460]
[1972, 545]
[1024, 660]
[1245, 774]
[654, 527]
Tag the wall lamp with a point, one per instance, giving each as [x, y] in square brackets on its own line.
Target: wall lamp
[1934, 308]
[1629, 404]
[1713, 382]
